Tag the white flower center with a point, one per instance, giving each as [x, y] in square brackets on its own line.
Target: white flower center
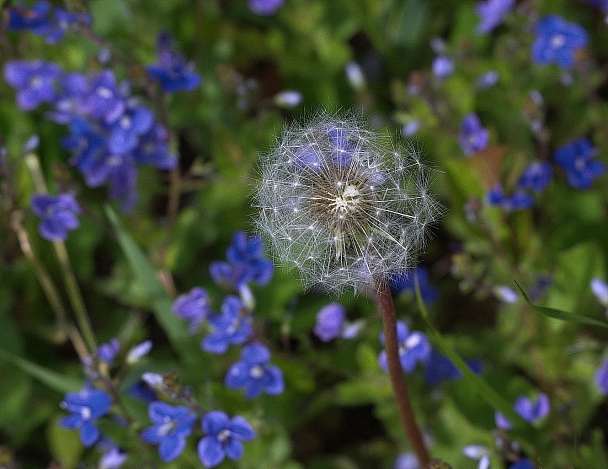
[86, 414]
[223, 435]
[558, 40]
[347, 201]
[256, 372]
[104, 92]
[125, 122]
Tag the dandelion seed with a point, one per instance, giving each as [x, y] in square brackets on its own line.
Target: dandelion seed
[341, 204]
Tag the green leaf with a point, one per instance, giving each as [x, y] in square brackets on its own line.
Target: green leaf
[559, 314]
[151, 289]
[64, 444]
[52, 379]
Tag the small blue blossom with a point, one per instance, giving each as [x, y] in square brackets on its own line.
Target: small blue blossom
[506, 294]
[577, 158]
[522, 464]
[224, 438]
[557, 40]
[406, 461]
[57, 215]
[480, 453]
[114, 458]
[518, 200]
[414, 347]
[85, 142]
[231, 326]
[126, 130]
[35, 19]
[72, 88]
[193, 306]
[438, 367]
[600, 290]
[254, 373]
[330, 320]
[536, 177]
[85, 407]
[354, 75]
[103, 100]
[492, 13]
[34, 81]
[172, 424]
[473, 137]
[527, 409]
[107, 352]
[31, 144]
[406, 283]
[246, 263]
[172, 71]
[443, 66]
[411, 128]
[60, 22]
[488, 79]
[288, 99]
[153, 149]
[601, 377]
[265, 7]
[139, 351]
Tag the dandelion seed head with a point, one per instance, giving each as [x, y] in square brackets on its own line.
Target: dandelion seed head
[341, 204]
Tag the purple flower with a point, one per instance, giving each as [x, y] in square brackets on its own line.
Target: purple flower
[172, 71]
[600, 290]
[171, 426]
[246, 263]
[224, 437]
[229, 327]
[85, 142]
[35, 19]
[577, 158]
[492, 13]
[193, 306]
[254, 373]
[265, 7]
[34, 81]
[330, 320]
[288, 98]
[406, 461]
[153, 149]
[126, 130]
[414, 347]
[479, 452]
[114, 458]
[518, 200]
[438, 367]
[85, 407]
[138, 351]
[506, 294]
[72, 88]
[601, 377]
[522, 464]
[536, 177]
[61, 22]
[405, 282]
[108, 351]
[57, 215]
[443, 66]
[103, 100]
[557, 40]
[527, 409]
[473, 137]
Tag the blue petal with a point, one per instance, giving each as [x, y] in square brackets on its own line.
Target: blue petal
[71, 421]
[89, 433]
[255, 354]
[237, 376]
[210, 451]
[151, 435]
[241, 427]
[215, 421]
[233, 448]
[274, 381]
[171, 447]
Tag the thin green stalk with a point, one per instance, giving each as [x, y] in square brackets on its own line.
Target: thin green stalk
[404, 406]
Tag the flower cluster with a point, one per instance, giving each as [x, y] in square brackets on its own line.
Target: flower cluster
[331, 323]
[414, 347]
[57, 215]
[341, 205]
[473, 137]
[527, 409]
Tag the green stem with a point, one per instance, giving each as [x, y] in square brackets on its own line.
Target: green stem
[391, 345]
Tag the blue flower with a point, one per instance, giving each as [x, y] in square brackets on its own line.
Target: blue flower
[85, 142]
[72, 88]
[265, 7]
[193, 306]
[126, 130]
[224, 437]
[492, 13]
[153, 149]
[488, 79]
[557, 41]
[406, 461]
[330, 321]
[473, 137]
[577, 158]
[231, 326]
[506, 294]
[172, 71]
[114, 458]
[443, 66]
[103, 100]
[57, 214]
[61, 22]
[414, 347]
[522, 464]
[34, 19]
[601, 377]
[536, 177]
[600, 290]
[527, 409]
[438, 367]
[246, 263]
[172, 424]
[405, 282]
[85, 407]
[288, 99]
[34, 81]
[139, 351]
[108, 351]
[254, 374]
[518, 200]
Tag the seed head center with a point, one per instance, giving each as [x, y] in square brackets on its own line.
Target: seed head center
[347, 201]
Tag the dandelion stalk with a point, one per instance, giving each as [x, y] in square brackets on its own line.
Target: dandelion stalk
[404, 406]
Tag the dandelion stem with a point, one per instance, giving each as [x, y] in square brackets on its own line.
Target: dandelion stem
[404, 406]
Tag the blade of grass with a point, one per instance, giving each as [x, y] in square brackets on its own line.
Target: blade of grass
[559, 314]
[54, 380]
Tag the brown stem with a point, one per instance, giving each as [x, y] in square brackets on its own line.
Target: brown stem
[404, 406]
